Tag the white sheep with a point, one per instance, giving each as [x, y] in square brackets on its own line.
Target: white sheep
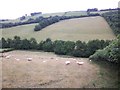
[56, 59]
[29, 59]
[80, 63]
[67, 62]
[8, 56]
[44, 61]
[17, 59]
[74, 59]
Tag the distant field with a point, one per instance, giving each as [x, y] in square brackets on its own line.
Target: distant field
[84, 29]
[75, 13]
[69, 13]
[101, 12]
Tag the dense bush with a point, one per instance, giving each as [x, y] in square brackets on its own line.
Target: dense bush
[48, 45]
[64, 47]
[29, 21]
[80, 49]
[77, 49]
[92, 10]
[110, 9]
[110, 53]
[35, 13]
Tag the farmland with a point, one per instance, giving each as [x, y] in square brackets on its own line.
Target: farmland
[69, 13]
[47, 70]
[84, 29]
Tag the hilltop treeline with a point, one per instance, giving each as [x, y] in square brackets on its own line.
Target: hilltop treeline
[43, 21]
[110, 9]
[35, 13]
[94, 49]
[51, 20]
[96, 9]
[113, 19]
[77, 49]
[29, 21]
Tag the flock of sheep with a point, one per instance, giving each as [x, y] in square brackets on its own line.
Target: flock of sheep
[8, 56]
[30, 59]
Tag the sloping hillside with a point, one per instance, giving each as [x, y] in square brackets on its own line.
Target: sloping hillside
[69, 13]
[83, 29]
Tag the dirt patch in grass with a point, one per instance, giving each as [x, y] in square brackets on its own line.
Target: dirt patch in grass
[47, 70]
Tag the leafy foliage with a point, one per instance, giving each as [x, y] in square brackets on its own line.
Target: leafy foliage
[110, 53]
[48, 45]
[77, 49]
[64, 47]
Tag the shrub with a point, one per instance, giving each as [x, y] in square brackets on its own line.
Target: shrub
[110, 53]
[48, 45]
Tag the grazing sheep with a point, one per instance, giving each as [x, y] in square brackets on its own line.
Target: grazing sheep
[29, 59]
[8, 56]
[74, 59]
[67, 62]
[17, 59]
[80, 63]
[44, 61]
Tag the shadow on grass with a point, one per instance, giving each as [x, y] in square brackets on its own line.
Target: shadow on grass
[107, 75]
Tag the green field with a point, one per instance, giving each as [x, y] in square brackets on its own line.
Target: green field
[84, 29]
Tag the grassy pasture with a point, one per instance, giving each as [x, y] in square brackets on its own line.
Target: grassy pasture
[84, 29]
[75, 13]
[54, 73]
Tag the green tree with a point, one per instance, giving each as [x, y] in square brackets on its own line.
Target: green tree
[33, 43]
[68, 47]
[40, 45]
[48, 45]
[110, 53]
[4, 43]
[0, 43]
[58, 49]
[17, 42]
[80, 49]
[25, 44]
[10, 43]
[64, 47]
